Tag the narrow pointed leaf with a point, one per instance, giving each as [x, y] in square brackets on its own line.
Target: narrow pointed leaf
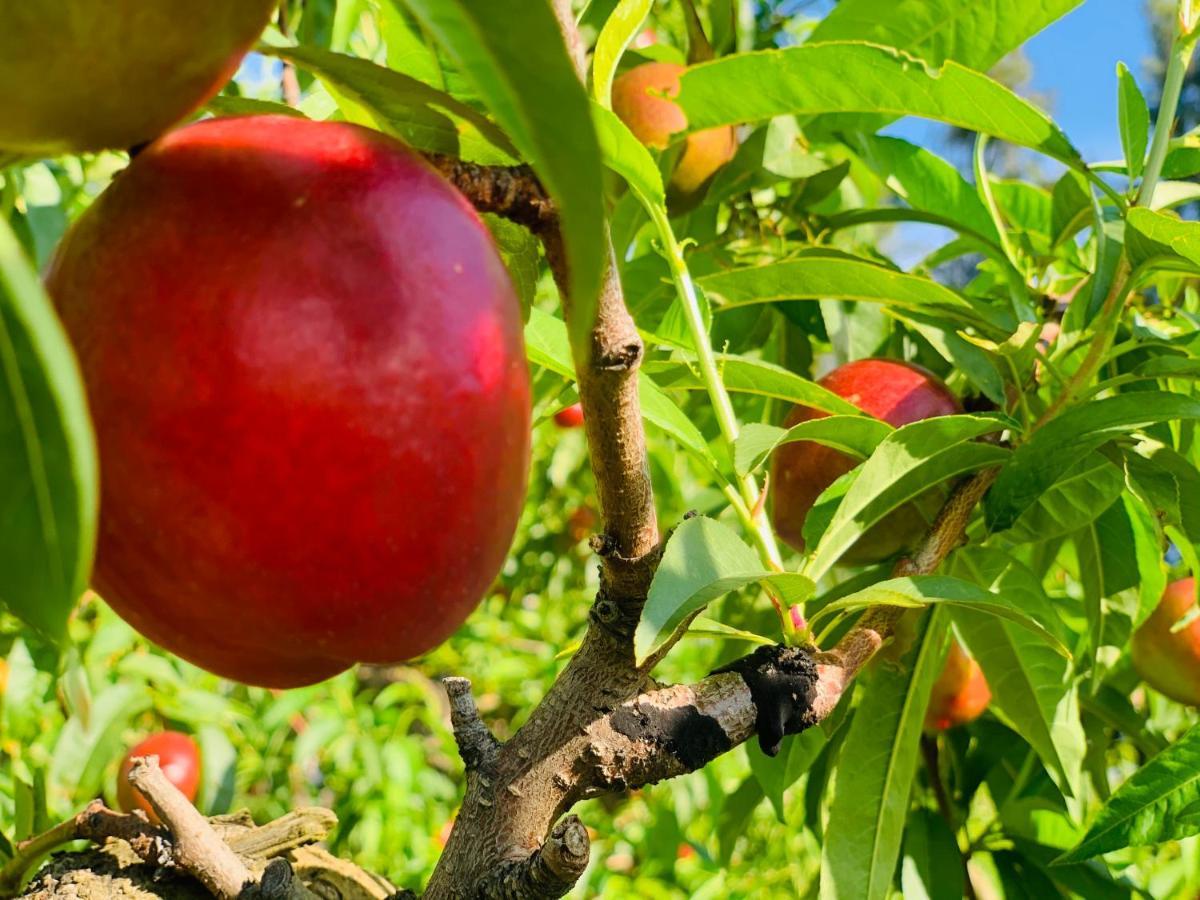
[1037, 464]
[704, 560]
[857, 436]
[875, 771]
[905, 465]
[923, 590]
[1160, 802]
[512, 52]
[864, 78]
[615, 36]
[48, 472]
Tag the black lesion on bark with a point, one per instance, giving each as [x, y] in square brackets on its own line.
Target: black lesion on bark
[783, 686]
[686, 733]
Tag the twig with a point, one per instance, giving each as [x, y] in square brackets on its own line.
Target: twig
[96, 823]
[476, 745]
[198, 849]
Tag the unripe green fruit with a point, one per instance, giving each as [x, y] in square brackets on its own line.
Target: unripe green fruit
[639, 101]
[960, 694]
[79, 75]
[1170, 663]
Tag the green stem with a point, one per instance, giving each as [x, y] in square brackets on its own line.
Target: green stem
[1177, 66]
[1106, 329]
[984, 186]
[706, 360]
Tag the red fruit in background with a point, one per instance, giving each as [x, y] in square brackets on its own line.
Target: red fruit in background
[638, 100]
[1170, 663]
[101, 74]
[304, 360]
[899, 393]
[179, 759]
[569, 417]
[960, 694]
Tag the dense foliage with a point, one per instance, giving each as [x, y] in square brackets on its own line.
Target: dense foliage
[1064, 316]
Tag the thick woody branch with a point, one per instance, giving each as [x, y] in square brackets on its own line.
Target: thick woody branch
[549, 872]
[513, 192]
[773, 692]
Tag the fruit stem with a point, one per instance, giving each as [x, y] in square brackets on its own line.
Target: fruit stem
[758, 525]
[1177, 66]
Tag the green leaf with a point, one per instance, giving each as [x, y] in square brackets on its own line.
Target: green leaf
[408, 48]
[1134, 117]
[227, 105]
[840, 278]
[1031, 684]
[1167, 483]
[932, 865]
[1038, 463]
[1087, 489]
[875, 770]
[1162, 238]
[546, 345]
[857, 436]
[423, 117]
[856, 77]
[519, 250]
[976, 33]
[753, 376]
[626, 155]
[512, 52]
[661, 410]
[702, 561]
[614, 37]
[927, 182]
[923, 590]
[48, 470]
[907, 463]
[1160, 802]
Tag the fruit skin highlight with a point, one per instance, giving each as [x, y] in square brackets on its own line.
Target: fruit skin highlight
[179, 759]
[960, 694]
[1170, 663]
[81, 75]
[899, 393]
[305, 363]
[637, 100]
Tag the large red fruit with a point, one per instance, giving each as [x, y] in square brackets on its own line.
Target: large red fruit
[1170, 663]
[95, 74]
[898, 393]
[305, 363]
[960, 694]
[640, 100]
[179, 759]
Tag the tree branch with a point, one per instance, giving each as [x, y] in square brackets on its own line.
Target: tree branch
[197, 847]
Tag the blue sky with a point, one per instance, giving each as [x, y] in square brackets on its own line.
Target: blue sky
[1075, 61]
[1074, 70]
[1074, 73]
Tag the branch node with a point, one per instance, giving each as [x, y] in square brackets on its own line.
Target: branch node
[477, 746]
[547, 873]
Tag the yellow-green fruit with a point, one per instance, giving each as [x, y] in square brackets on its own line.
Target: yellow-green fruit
[640, 100]
[79, 75]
